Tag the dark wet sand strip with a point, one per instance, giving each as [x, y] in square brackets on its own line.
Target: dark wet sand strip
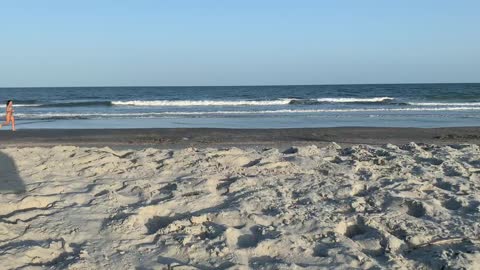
[206, 137]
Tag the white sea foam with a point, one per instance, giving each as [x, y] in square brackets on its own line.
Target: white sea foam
[283, 101]
[285, 111]
[188, 103]
[443, 104]
[22, 105]
[355, 100]
[185, 103]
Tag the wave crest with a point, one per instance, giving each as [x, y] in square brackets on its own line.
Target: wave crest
[443, 104]
[283, 101]
[202, 102]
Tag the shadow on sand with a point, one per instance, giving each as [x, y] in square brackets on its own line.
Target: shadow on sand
[10, 181]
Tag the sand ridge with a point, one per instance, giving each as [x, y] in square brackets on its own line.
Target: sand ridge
[408, 207]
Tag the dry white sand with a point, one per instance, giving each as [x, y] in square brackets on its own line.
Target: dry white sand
[413, 207]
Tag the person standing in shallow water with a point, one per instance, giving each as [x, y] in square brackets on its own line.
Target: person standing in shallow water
[9, 115]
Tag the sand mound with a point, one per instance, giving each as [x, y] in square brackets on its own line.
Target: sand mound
[413, 206]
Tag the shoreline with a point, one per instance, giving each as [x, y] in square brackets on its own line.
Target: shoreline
[216, 137]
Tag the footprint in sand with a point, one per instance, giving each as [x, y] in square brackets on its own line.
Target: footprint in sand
[452, 204]
[224, 186]
[370, 239]
[415, 209]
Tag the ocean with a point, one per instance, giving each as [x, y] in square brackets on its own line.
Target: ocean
[389, 105]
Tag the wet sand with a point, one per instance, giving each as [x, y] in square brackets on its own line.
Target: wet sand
[209, 137]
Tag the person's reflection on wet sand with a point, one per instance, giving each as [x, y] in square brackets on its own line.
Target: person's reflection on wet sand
[10, 181]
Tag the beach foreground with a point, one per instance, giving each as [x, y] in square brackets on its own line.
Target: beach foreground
[307, 207]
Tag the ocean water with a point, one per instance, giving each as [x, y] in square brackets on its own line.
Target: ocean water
[392, 105]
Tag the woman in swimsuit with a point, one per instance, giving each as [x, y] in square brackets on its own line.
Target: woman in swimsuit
[9, 115]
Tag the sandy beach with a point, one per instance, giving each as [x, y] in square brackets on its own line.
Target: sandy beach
[333, 198]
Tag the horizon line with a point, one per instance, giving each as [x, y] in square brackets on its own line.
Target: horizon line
[239, 85]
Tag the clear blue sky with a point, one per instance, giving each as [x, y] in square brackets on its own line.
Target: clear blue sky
[238, 42]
